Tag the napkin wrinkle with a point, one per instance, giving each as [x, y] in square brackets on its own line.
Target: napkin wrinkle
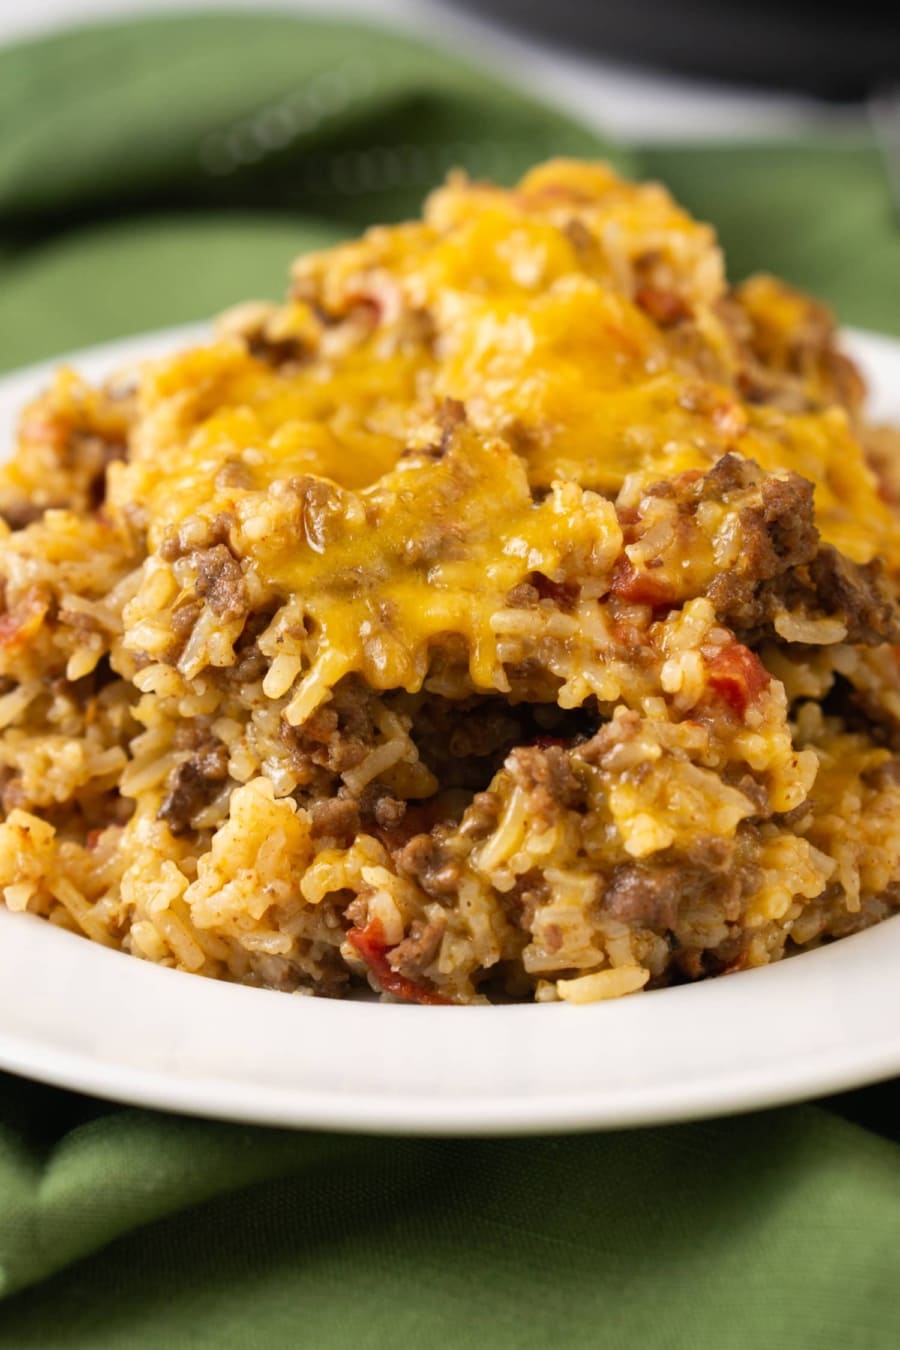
[512, 1244]
[126, 1168]
[87, 1190]
[183, 79]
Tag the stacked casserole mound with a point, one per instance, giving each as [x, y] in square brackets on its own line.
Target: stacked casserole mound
[511, 613]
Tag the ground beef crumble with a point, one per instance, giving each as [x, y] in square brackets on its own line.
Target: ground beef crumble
[220, 581]
[424, 858]
[859, 593]
[411, 956]
[338, 735]
[549, 780]
[193, 784]
[335, 818]
[648, 895]
[785, 567]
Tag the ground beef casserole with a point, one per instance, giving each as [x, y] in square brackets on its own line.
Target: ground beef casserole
[512, 612]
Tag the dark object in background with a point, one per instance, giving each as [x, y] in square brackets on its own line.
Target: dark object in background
[827, 47]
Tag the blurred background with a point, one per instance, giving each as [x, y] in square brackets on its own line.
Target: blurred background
[637, 68]
[162, 158]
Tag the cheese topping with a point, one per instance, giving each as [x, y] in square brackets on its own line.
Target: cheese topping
[582, 324]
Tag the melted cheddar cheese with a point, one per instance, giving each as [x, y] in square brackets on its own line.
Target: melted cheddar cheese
[582, 321]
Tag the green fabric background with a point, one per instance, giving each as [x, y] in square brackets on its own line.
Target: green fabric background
[151, 173]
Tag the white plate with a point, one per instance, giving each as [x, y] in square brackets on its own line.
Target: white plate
[80, 1016]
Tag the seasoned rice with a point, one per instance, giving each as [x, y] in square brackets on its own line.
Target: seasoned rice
[511, 613]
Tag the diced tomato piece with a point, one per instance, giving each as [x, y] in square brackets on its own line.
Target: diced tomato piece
[687, 476]
[369, 304]
[664, 307]
[641, 588]
[737, 675]
[10, 626]
[373, 949]
[43, 429]
[23, 621]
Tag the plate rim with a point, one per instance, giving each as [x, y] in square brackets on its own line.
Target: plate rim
[297, 1106]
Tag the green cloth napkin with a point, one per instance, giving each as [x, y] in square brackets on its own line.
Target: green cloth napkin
[151, 173]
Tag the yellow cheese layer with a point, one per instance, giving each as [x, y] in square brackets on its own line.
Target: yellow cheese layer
[538, 308]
